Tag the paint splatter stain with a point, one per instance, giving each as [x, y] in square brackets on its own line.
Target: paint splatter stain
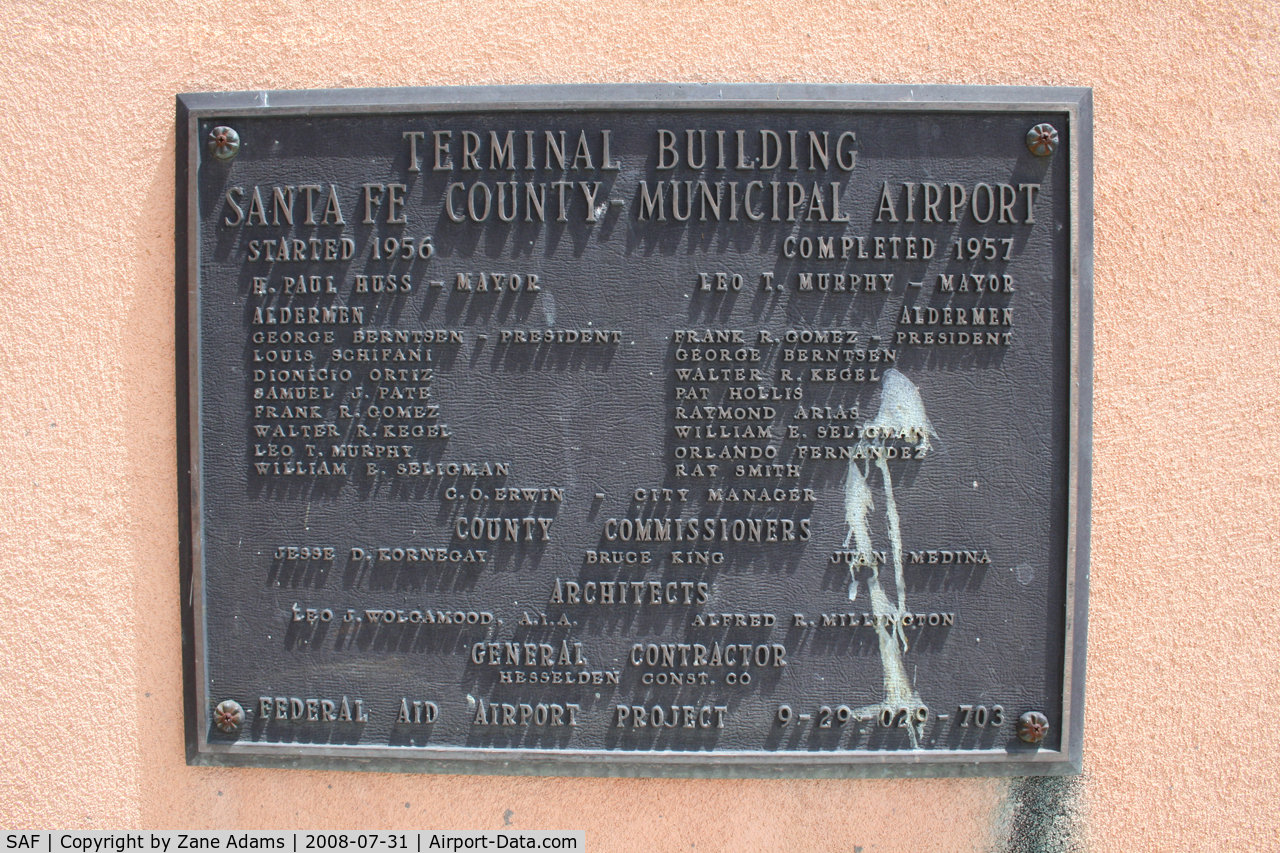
[901, 417]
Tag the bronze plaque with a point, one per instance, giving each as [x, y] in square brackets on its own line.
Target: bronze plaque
[651, 430]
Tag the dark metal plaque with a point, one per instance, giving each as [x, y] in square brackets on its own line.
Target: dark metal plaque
[649, 430]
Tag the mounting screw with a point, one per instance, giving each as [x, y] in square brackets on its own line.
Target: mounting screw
[1032, 727]
[1042, 140]
[228, 716]
[224, 143]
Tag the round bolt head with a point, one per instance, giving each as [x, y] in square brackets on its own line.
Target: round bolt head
[1042, 140]
[228, 716]
[223, 143]
[1032, 727]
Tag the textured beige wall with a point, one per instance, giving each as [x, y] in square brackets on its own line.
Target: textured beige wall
[1184, 648]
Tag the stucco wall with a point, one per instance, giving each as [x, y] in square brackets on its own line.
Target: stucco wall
[1184, 646]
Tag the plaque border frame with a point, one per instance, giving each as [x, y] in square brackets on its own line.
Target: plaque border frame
[1076, 103]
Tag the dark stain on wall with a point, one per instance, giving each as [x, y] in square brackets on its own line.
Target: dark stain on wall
[1046, 815]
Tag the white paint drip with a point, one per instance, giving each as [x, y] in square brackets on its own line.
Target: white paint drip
[895, 536]
[901, 408]
[901, 411]
[857, 503]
